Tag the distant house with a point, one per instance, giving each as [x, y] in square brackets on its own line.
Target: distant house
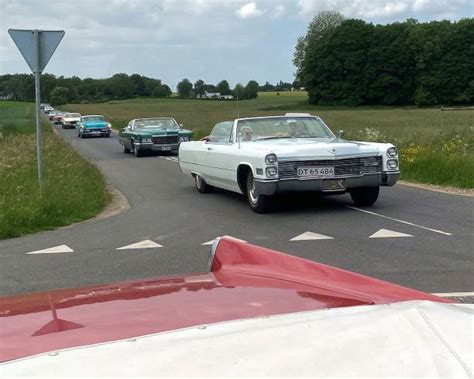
[214, 95]
[6, 96]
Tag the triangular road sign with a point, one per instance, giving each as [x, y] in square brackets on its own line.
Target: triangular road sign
[385, 233]
[48, 42]
[53, 250]
[308, 236]
[146, 244]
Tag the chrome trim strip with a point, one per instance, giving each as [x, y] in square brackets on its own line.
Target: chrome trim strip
[212, 253]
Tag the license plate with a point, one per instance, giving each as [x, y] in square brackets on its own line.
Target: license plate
[334, 185]
[166, 148]
[315, 172]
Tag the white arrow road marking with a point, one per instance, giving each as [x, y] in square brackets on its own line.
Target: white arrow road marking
[398, 220]
[53, 250]
[146, 244]
[385, 233]
[308, 236]
[229, 237]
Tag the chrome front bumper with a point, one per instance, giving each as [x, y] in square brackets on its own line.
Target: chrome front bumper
[153, 147]
[271, 187]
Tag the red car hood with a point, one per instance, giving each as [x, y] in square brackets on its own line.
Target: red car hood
[244, 281]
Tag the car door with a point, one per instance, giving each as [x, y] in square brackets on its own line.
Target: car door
[217, 152]
[125, 135]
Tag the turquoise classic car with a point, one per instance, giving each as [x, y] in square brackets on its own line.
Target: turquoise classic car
[162, 134]
[93, 125]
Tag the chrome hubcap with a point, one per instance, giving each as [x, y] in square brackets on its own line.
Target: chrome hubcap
[198, 181]
[253, 193]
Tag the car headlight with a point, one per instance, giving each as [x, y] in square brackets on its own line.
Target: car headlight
[392, 164]
[147, 140]
[109, 125]
[271, 159]
[271, 171]
[392, 152]
[184, 139]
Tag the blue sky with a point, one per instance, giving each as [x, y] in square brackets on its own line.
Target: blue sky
[236, 40]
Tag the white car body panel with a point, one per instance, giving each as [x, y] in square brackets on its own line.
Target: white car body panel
[407, 339]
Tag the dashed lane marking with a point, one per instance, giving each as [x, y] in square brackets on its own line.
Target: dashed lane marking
[173, 159]
[385, 233]
[53, 250]
[400, 221]
[230, 237]
[146, 244]
[309, 236]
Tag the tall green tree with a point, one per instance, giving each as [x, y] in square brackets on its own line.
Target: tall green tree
[58, 96]
[251, 90]
[199, 88]
[319, 29]
[238, 91]
[223, 87]
[184, 88]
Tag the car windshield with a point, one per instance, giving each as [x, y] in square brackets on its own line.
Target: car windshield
[93, 118]
[156, 123]
[73, 115]
[283, 127]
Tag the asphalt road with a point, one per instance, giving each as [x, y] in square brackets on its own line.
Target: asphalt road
[436, 256]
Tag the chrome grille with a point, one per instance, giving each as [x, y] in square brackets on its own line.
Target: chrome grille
[165, 140]
[342, 167]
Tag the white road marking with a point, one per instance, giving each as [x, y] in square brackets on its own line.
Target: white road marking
[398, 220]
[308, 236]
[454, 294]
[230, 237]
[173, 159]
[385, 233]
[53, 250]
[146, 244]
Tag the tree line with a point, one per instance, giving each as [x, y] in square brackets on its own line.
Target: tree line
[200, 89]
[352, 62]
[61, 90]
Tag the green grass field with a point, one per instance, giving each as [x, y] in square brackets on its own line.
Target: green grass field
[74, 188]
[436, 147]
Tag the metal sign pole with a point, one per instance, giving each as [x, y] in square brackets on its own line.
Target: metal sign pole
[37, 47]
[39, 143]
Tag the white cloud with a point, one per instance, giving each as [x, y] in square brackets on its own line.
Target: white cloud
[388, 11]
[278, 12]
[249, 10]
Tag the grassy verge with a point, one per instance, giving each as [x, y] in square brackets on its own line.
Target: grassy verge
[74, 188]
[436, 147]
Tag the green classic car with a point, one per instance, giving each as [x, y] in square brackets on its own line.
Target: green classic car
[153, 134]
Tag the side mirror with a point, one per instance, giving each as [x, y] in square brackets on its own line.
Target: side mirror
[340, 133]
[205, 139]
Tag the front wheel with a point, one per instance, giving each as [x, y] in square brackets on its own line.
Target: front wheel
[258, 203]
[365, 196]
[201, 184]
[125, 149]
[135, 151]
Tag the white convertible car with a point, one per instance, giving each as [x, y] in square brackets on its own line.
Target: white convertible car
[262, 156]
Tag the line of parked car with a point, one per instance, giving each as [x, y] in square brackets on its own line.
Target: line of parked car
[259, 156]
